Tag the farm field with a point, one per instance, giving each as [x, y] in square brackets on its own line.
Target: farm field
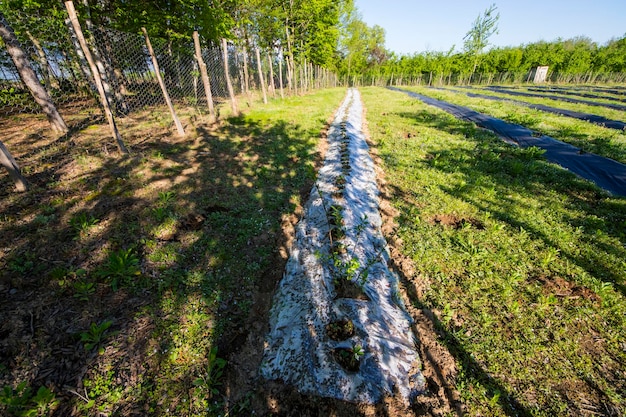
[142, 284]
[589, 137]
[580, 107]
[519, 264]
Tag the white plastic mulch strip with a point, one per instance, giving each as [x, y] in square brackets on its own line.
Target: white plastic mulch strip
[298, 350]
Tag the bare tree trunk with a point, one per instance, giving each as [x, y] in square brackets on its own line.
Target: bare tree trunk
[271, 83]
[203, 73]
[290, 66]
[7, 161]
[46, 72]
[82, 61]
[166, 96]
[260, 69]
[107, 74]
[29, 78]
[69, 5]
[280, 75]
[229, 85]
[246, 75]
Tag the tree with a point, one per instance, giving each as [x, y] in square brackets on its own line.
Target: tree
[477, 38]
[29, 78]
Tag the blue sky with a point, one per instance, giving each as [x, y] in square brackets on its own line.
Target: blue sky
[435, 25]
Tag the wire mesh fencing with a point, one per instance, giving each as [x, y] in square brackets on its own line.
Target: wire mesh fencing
[116, 72]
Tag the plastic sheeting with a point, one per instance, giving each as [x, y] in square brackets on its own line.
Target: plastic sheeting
[599, 120]
[566, 99]
[299, 350]
[604, 172]
[574, 93]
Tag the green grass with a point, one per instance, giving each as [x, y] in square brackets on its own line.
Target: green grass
[587, 136]
[529, 290]
[172, 242]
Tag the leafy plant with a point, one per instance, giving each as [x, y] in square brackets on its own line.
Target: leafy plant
[165, 197]
[95, 335]
[83, 289]
[212, 378]
[121, 267]
[21, 401]
[82, 222]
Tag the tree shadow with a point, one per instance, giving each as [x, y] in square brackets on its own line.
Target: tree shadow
[201, 218]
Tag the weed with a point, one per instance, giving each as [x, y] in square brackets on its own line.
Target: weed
[166, 197]
[121, 268]
[95, 335]
[22, 264]
[211, 380]
[82, 222]
[83, 289]
[21, 401]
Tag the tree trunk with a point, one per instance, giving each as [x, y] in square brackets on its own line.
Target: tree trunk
[29, 78]
[203, 73]
[229, 85]
[82, 60]
[46, 72]
[7, 161]
[69, 5]
[166, 96]
[246, 75]
[280, 74]
[271, 83]
[260, 69]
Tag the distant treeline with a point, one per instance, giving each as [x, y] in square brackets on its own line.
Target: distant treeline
[578, 59]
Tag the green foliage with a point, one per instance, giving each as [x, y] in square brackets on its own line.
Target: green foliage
[121, 268]
[21, 402]
[95, 335]
[82, 222]
[477, 38]
[516, 298]
[209, 382]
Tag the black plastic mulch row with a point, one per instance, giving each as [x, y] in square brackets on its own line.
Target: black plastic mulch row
[575, 93]
[566, 99]
[599, 120]
[614, 90]
[604, 172]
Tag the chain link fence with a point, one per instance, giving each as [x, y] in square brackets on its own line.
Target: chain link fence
[126, 68]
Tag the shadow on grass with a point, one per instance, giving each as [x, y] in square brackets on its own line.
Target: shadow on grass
[527, 173]
[508, 170]
[200, 221]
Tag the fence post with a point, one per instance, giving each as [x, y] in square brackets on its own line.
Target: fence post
[157, 71]
[96, 76]
[7, 161]
[203, 73]
[229, 85]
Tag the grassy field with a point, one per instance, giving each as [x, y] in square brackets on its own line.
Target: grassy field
[141, 285]
[587, 136]
[125, 282]
[522, 264]
[579, 107]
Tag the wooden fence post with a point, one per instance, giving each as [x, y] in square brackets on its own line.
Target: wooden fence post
[69, 5]
[229, 85]
[155, 64]
[203, 73]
